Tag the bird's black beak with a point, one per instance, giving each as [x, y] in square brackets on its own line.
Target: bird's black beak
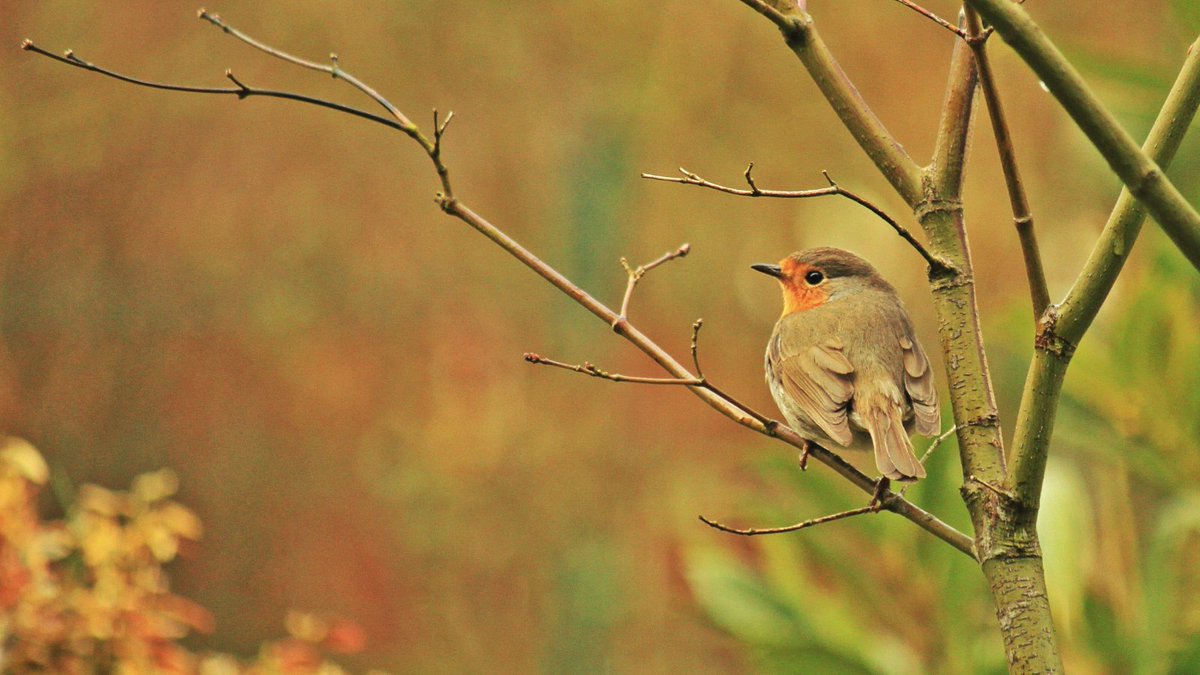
[769, 270]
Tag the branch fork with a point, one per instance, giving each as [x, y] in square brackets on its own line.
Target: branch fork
[938, 267]
[906, 176]
[635, 275]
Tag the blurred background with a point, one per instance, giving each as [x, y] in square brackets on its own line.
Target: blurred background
[264, 297]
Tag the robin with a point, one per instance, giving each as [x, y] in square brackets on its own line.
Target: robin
[843, 363]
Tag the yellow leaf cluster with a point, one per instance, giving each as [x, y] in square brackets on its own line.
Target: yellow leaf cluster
[89, 594]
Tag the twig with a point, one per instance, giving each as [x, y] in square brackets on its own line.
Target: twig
[1039, 292]
[1141, 175]
[937, 266]
[994, 489]
[696, 346]
[937, 442]
[589, 369]
[778, 18]
[332, 68]
[934, 18]
[240, 91]
[751, 532]
[635, 275]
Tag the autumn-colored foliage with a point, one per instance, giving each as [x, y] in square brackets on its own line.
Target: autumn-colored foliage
[89, 593]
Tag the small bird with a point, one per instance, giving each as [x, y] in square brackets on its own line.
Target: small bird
[843, 363]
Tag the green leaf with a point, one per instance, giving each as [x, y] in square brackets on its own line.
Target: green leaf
[735, 600]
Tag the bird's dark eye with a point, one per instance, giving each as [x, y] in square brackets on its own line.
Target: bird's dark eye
[813, 278]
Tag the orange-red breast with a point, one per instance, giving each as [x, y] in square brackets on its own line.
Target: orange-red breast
[843, 363]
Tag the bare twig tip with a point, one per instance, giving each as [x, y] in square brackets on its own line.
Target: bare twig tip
[532, 358]
[26, 44]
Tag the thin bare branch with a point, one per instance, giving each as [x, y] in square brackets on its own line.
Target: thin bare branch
[696, 346]
[937, 266]
[934, 18]
[1039, 292]
[589, 369]
[751, 532]
[332, 68]
[937, 443]
[710, 395]
[777, 17]
[994, 489]
[240, 91]
[635, 275]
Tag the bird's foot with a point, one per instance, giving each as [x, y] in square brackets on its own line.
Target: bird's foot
[804, 450]
[881, 488]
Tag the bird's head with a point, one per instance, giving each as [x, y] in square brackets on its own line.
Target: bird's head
[816, 276]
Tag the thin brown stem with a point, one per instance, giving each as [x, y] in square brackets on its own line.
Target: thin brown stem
[1039, 292]
[754, 531]
[589, 369]
[937, 443]
[777, 17]
[934, 18]
[993, 488]
[635, 275]
[937, 266]
[239, 91]
[332, 68]
[696, 346]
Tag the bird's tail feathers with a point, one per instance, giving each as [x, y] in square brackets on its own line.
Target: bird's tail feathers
[894, 454]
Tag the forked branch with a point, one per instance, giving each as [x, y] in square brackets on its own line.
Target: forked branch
[589, 369]
[938, 267]
[635, 275]
[1144, 178]
[754, 531]
[454, 207]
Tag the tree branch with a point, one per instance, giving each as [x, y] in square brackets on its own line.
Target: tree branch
[240, 90]
[726, 406]
[954, 128]
[937, 266]
[858, 118]
[1141, 175]
[635, 275]
[1116, 240]
[1039, 292]
[934, 18]
[589, 369]
[1063, 327]
[332, 68]
[753, 531]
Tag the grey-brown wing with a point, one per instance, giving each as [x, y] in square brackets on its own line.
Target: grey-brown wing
[921, 388]
[818, 381]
